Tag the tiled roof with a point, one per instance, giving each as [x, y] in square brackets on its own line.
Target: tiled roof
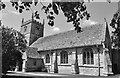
[32, 53]
[90, 35]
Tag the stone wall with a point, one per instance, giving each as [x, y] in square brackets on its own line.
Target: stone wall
[90, 70]
[30, 64]
[83, 69]
[32, 30]
[64, 69]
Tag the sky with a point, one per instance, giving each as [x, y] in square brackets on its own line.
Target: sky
[98, 11]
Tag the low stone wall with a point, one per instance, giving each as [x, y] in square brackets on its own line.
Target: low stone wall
[64, 69]
[90, 70]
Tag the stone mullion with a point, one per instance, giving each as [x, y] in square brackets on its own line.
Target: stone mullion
[86, 58]
[90, 57]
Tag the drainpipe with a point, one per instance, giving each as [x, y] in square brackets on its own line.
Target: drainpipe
[98, 49]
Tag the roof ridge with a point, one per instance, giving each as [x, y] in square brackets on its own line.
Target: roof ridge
[72, 30]
[61, 33]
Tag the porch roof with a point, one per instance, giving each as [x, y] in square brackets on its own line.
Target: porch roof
[32, 53]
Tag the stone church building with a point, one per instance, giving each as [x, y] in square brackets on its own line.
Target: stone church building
[87, 52]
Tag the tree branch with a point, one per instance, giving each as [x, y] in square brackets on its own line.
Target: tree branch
[41, 3]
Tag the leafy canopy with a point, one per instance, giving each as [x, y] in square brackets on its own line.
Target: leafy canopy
[73, 11]
[115, 23]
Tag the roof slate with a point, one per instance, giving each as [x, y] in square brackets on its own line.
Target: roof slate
[90, 35]
[32, 52]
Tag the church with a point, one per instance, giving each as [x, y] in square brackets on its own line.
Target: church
[77, 53]
[86, 53]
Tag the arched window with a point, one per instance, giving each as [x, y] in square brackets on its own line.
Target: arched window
[64, 57]
[47, 58]
[88, 57]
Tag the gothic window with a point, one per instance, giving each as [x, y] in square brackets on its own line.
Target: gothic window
[64, 57]
[47, 58]
[88, 56]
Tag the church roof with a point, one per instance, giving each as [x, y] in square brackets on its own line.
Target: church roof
[90, 35]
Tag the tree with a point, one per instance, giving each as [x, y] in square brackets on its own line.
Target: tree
[115, 23]
[13, 44]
